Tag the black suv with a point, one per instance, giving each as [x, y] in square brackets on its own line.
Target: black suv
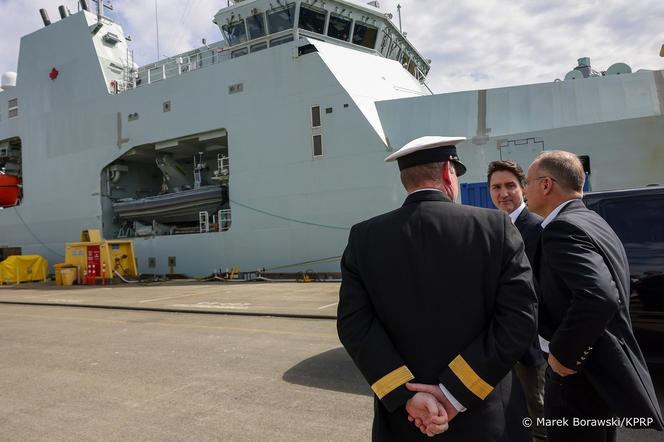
[637, 217]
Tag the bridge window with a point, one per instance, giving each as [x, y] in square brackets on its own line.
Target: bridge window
[281, 19]
[258, 47]
[365, 35]
[385, 45]
[394, 50]
[339, 28]
[281, 40]
[239, 52]
[412, 67]
[405, 60]
[235, 33]
[312, 19]
[256, 26]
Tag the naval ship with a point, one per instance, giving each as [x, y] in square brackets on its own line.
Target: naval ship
[261, 150]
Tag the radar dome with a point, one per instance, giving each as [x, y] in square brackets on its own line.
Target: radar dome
[574, 75]
[8, 80]
[619, 69]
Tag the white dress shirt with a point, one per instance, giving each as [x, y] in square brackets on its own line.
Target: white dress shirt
[516, 212]
[460, 408]
[426, 188]
[555, 213]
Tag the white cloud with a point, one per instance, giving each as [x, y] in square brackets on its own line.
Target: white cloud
[478, 44]
[182, 25]
[474, 44]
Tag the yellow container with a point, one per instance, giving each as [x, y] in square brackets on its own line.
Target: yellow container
[68, 275]
[115, 256]
[58, 276]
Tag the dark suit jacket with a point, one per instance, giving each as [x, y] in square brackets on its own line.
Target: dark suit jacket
[441, 292]
[530, 228]
[584, 292]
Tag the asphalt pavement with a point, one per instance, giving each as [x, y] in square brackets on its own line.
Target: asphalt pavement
[184, 361]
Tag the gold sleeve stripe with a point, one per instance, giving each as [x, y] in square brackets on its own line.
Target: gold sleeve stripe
[392, 380]
[469, 378]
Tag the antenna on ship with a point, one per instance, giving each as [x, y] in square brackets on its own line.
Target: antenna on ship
[156, 18]
[101, 4]
[399, 12]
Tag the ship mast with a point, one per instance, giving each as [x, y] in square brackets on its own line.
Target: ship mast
[101, 4]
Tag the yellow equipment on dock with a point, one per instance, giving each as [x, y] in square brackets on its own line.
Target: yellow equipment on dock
[96, 258]
[23, 268]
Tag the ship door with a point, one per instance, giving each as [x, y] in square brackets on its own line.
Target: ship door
[523, 151]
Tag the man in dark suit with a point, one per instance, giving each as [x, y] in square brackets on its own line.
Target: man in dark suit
[596, 368]
[506, 182]
[437, 293]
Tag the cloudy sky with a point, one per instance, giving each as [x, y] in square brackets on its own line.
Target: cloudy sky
[473, 44]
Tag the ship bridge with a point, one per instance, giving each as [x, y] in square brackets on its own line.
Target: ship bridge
[253, 26]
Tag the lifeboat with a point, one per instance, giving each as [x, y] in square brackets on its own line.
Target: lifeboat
[183, 206]
[10, 190]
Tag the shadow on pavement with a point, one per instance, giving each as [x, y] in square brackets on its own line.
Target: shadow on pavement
[332, 370]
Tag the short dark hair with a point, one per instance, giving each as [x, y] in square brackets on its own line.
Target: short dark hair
[507, 166]
[565, 167]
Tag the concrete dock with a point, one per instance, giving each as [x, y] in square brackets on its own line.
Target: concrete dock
[316, 300]
[182, 361]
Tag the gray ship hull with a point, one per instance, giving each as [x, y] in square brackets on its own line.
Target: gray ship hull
[293, 197]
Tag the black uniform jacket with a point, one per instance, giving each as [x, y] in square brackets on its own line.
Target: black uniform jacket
[437, 292]
[530, 227]
[584, 292]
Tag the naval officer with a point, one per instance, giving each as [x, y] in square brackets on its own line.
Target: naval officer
[438, 294]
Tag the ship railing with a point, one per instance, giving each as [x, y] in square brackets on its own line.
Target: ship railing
[178, 65]
[203, 222]
[204, 57]
[225, 220]
[320, 37]
[216, 53]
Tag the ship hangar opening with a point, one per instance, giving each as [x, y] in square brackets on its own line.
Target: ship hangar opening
[171, 187]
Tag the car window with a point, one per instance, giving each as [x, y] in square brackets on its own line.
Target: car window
[639, 223]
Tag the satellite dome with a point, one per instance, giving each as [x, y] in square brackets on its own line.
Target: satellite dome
[8, 80]
[619, 69]
[574, 75]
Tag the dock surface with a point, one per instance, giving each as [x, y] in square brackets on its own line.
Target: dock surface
[90, 363]
[315, 300]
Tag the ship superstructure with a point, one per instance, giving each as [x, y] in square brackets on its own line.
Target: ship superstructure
[261, 150]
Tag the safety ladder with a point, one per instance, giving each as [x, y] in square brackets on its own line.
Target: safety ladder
[203, 222]
[224, 218]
